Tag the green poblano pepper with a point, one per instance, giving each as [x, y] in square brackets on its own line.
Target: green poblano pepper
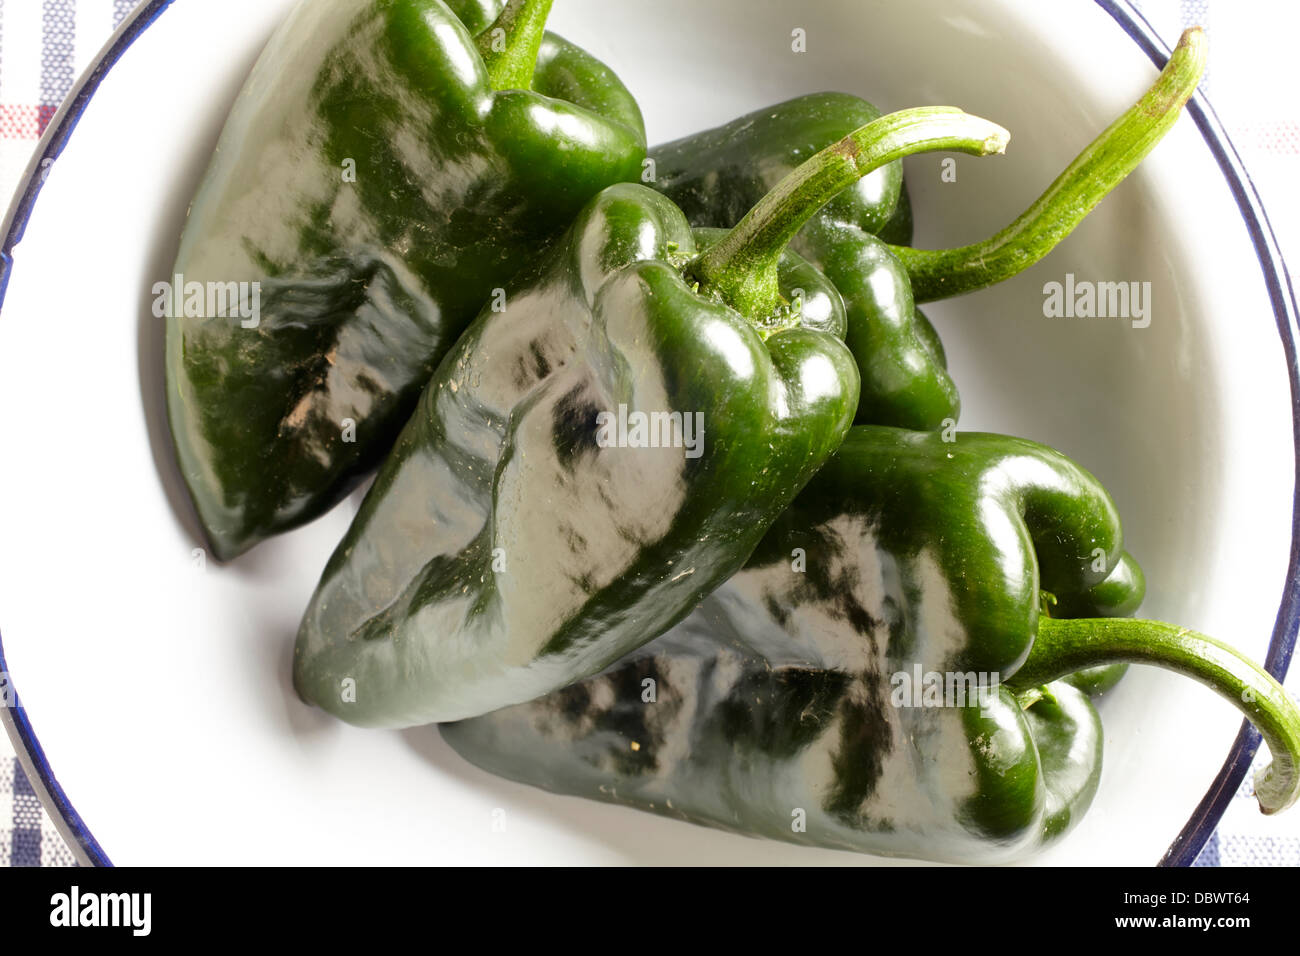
[588, 464]
[861, 239]
[883, 676]
[382, 173]
[716, 175]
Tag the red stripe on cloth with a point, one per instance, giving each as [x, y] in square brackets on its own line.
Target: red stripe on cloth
[24, 122]
[1280, 138]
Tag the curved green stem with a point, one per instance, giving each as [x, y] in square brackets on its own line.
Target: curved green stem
[742, 267]
[510, 45]
[941, 273]
[1065, 646]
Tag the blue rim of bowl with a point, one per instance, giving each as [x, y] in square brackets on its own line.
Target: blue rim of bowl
[31, 756]
[1194, 834]
[1198, 829]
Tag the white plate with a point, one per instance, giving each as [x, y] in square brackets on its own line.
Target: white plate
[160, 689]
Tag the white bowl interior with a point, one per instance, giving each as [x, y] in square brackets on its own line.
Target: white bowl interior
[160, 688]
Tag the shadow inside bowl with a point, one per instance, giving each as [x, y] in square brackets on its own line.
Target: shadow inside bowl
[151, 330]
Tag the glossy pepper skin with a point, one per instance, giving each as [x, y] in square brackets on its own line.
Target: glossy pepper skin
[861, 239]
[716, 175]
[378, 189]
[778, 700]
[508, 546]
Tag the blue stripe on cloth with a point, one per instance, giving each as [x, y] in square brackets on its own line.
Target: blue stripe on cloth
[25, 845]
[1196, 13]
[1240, 849]
[1209, 855]
[58, 34]
[120, 9]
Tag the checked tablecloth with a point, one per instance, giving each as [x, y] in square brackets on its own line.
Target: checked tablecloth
[45, 45]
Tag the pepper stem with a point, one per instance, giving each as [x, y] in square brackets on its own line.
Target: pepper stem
[510, 45]
[741, 268]
[1103, 165]
[1065, 646]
